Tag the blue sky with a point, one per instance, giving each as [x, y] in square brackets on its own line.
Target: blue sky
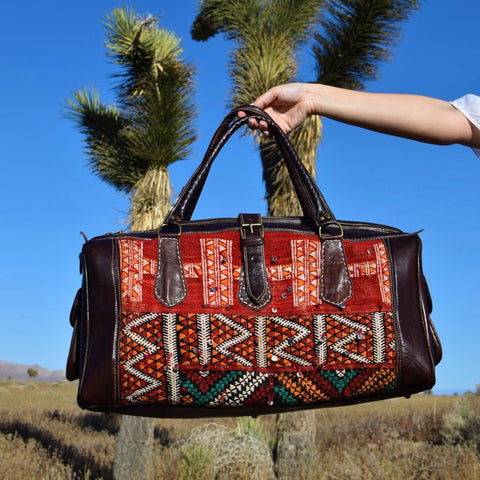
[51, 48]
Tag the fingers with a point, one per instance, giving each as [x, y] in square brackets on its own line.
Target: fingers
[255, 125]
[268, 98]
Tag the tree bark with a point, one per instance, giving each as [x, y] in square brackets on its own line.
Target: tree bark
[134, 449]
[150, 200]
[295, 448]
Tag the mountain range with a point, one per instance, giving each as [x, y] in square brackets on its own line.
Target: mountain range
[16, 371]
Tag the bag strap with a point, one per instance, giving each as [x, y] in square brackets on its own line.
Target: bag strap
[311, 200]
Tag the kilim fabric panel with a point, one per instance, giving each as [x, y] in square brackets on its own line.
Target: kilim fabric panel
[211, 350]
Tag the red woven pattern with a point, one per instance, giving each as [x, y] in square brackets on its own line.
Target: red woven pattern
[210, 350]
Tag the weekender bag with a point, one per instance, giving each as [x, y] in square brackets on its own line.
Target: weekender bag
[251, 315]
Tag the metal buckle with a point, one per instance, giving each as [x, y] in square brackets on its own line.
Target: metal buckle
[252, 225]
[331, 223]
[159, 229]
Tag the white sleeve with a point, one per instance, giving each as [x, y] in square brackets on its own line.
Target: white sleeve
[469, 105]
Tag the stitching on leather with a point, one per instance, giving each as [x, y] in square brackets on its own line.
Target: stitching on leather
[158, 294]
[350, 287]
[243, 298]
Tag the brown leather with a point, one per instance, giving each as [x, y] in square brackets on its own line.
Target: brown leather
[170, 288]
[254, 289]
[415, 351]
[336, 285]
[100, 320]
[72, 369]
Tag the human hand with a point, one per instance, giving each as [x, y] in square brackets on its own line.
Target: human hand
[288, 105]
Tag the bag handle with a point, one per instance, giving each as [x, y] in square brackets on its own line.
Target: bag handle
[311, 200]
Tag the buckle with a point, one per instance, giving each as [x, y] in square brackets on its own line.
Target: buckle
[251, 227]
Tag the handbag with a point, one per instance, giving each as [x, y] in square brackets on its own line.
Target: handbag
[250, 315]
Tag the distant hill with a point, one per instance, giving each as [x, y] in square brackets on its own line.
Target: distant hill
[17, 371]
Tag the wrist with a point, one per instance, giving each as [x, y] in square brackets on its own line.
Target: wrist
[316, 97]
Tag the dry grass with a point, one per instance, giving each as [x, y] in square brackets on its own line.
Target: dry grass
[44, 435]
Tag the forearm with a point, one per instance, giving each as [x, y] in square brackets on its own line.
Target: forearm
[411, 116]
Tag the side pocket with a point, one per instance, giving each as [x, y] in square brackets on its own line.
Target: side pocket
[72, 371]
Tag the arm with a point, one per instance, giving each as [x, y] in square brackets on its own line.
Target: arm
[411, 116]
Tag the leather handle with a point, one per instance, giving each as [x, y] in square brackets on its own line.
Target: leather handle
[311, 200]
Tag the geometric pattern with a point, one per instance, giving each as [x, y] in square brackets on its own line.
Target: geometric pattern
[229, 360]
[305, 267]
[134, 262]
[217, 271]
[220, 271]
[212, 351]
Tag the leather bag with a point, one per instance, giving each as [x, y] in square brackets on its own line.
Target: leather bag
[251, 315]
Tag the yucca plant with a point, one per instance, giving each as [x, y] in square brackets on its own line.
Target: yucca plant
[131, 144]
[347, 39]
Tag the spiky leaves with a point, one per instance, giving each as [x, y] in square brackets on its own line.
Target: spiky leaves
[268, 36]
[131, 145]
[103, 129]
[155, 87]
[355, 37]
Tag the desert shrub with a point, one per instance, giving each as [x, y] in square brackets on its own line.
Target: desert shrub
[398, 460]
[256, 428]
[41, 464]
[196, 462]
[462, 423]
[236, 454]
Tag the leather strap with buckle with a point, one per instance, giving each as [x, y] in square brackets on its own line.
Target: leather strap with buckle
[254, 290]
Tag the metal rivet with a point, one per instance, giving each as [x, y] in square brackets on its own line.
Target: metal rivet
[299, 374]
[274, 310]
[347, 353]
[195, 350]
[360, 335]
[210, 341]
[274, 259]
[274, 358]
[270, 402]
[284, 296]
[289, 289]
[341, 307]
[213, 289]
[369, 252]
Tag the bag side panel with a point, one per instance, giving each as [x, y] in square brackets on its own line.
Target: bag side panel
[98, 376]
[416, 367]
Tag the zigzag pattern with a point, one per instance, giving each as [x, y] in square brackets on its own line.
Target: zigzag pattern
[230, 361]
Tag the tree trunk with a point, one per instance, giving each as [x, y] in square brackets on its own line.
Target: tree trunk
[134, 449]
[150, 200]
[295, 448]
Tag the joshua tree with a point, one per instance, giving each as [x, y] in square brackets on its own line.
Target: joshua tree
[348, 39]
[130, 147]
